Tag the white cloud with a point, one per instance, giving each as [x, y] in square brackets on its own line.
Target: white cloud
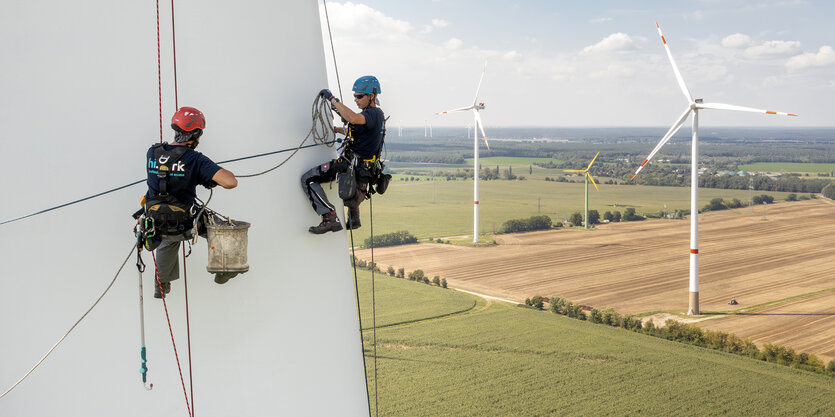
[697, 15]
[440, 23]
[511, 55]
[770, 49]
[366, 22]
[601, 20]
[824, 57]
[737, 40]
[614, 42]
[453, 43]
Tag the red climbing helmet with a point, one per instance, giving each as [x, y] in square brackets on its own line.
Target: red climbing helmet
[188, 119]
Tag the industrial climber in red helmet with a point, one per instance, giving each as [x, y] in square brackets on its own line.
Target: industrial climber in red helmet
[174, 172]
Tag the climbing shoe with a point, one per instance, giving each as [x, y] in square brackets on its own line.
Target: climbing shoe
[223, 277]
[166, 288]
[330, 223]
[353, 219]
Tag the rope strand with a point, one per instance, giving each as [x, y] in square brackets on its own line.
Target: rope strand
[171, 332]
[133, 247]
[359, 318]
[333, 51]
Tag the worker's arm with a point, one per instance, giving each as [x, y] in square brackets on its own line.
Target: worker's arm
[348, 114]
[225, 179]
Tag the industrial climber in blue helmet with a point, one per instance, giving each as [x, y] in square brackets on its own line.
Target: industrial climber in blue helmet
[360, 155]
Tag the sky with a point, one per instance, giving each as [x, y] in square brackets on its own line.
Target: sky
[588, 63]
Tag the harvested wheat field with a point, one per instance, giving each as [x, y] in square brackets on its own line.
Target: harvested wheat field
[643, 266]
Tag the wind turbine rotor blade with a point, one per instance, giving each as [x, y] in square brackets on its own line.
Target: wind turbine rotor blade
[574, 170]
[592, 161]
[679, 78]
[592, 181]
[664, 140]
[450, 111]
[483, 70]
[720, 106]
[481, 126]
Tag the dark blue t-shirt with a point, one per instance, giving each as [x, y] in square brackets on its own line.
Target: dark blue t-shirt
[191, 170]
[368, 137]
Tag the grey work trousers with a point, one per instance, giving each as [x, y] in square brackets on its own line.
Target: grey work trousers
[168, 260]
[311, 185]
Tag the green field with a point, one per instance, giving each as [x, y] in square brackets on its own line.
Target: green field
[500, 360]
[445, 208]
[782, 167]
[510, 160]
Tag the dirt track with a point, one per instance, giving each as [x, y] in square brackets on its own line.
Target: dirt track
[643, 266]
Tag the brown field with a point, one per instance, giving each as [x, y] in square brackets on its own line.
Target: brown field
[640, 267]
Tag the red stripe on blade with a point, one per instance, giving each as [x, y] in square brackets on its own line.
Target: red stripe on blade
[770, 112]
[696, 251]
[644, 163]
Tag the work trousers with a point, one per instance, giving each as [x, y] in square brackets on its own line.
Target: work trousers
[327, 172]
[168, 260]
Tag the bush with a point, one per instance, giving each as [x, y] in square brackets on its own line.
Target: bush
[541, 222]
[361, 263]
[576, 218]
[390, 270]
[791, 197]
[436, 281]
[416, 275]
[829, 191]
[629, 215]
[616, 216]
[831, 367]
[401, 237]
[594, 217]
[535, 302]
[763, 199]
[401, 273]
[608, 216]
[443, 283]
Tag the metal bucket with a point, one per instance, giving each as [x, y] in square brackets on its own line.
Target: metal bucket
[227, 242]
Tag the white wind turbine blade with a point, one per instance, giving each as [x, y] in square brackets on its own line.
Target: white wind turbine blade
[450, 111]
[664, 140]
[720, 106]
[675, 67]
[483, 70]
[481, 126]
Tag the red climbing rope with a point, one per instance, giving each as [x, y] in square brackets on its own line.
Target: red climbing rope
[170, 331]
[174, 46]
[159, 77]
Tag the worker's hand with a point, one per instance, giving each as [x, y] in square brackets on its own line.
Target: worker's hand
[328, 95]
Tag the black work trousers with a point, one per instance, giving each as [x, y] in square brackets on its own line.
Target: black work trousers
[312, 185]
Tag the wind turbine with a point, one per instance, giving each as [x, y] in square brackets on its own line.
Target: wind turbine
[588, 177]
[475, 108]
[694, 105]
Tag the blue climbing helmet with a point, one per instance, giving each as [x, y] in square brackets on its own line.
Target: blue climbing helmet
[367, 84]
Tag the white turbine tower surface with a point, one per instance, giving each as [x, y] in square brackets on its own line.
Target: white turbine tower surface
[693, 106]
[475, 108]
[259, 346]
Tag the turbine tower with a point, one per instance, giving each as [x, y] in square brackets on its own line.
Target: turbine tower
[475, 108]
[694, 105]
[588, 177]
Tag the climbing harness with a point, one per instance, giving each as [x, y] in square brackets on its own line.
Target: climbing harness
[133, 247]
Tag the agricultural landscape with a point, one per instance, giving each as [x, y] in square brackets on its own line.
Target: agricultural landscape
[773, 259]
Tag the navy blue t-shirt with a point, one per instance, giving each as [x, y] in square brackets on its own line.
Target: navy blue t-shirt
[191, 170]
[368, 137]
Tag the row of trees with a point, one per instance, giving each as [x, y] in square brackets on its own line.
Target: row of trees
[400, 237]
[688, 333]
[629, 215]
[541, 222]
[417, 275]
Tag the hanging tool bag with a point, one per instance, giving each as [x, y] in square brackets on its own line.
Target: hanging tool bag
[348, 180]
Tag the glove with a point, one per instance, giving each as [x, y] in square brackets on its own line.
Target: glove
[211, 184]
[328, 95]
